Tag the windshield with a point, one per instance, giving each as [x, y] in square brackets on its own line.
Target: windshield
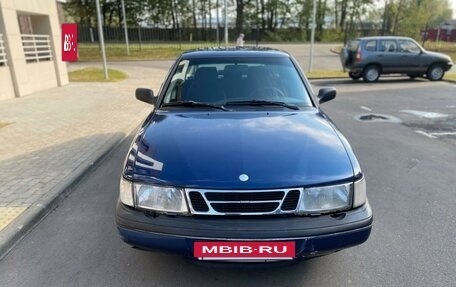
[224, 80]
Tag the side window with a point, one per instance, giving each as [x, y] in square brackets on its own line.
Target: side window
[371, 45]
[175, 88]
[353, 45]
[388, 46]
[407, 46]
[180, 71]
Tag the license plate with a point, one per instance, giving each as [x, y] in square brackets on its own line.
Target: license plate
[244, 250]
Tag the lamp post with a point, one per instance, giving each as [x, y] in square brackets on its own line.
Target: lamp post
[312, 34]
[125, 27]
[101, 38]
[226, 25]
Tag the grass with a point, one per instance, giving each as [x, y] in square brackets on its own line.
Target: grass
[323, 74]
[116, 54]
[149, 51]
[450, 77]
[92, 74]
[440, 46]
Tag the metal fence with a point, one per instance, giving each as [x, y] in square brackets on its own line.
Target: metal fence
[3, 60]
[88, 34]
[37, 48]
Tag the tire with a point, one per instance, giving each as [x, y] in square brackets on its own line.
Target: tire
[435, 72]
[371, 73]
[354, 76]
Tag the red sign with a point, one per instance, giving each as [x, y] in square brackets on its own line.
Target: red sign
[69, 42]
[244, 250]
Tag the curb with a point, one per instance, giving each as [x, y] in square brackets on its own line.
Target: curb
[32, 216]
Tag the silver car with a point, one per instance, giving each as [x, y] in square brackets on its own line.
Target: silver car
[369, 57]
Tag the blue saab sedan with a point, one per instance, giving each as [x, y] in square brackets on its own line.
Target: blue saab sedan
[237, 162]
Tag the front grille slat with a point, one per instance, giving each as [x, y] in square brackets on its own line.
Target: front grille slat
[198, 202]
[243, 202]
[291, 200]
[244, 196]
[245, 207]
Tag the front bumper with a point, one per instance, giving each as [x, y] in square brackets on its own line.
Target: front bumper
[313, 236]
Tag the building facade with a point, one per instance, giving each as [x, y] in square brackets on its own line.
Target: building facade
[30, 47]
[446, 31]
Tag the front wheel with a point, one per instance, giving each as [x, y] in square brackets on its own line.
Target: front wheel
[354, 76]
[435, 72]
[371, 74]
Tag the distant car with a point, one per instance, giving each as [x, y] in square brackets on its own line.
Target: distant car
[369, 57]
[238, 162]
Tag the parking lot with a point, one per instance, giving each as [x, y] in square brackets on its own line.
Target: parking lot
[409, 161]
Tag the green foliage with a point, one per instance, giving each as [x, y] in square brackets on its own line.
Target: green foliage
[349, 18]
[409, 17]
[84, 11]
[92, 74]
[332, 35]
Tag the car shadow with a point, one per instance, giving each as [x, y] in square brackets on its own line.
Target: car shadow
[306, 273]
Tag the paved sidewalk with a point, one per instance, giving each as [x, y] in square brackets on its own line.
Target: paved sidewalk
[55, 136]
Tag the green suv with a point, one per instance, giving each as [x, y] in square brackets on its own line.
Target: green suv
[369, 57]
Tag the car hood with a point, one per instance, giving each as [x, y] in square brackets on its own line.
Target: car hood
[212, 150]
[439, 55]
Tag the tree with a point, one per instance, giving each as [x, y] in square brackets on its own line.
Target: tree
[408, 17]
[84, 11]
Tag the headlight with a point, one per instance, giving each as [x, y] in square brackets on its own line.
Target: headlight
[359, 195]
[323, 199]
[126, 192]
[159, 198]
[164, 199]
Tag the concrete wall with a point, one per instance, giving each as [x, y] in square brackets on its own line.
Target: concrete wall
[40, 76]
[31, 77]
[6, 85]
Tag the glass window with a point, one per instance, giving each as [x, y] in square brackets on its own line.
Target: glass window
[407, 46]
[388, 46]
[371, 45]
[220, 80]
[353, 45]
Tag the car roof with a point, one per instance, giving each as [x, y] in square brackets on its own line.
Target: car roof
[235, 52]
[383, 37]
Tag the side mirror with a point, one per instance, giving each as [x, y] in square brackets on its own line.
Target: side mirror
[326, 94]
[146, 95]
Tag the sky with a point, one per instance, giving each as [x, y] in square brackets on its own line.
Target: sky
[453, 4]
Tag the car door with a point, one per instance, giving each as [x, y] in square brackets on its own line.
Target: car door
[388, 56]
[411, 60]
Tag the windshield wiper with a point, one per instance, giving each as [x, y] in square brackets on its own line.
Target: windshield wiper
[262, 103]
[194, 104]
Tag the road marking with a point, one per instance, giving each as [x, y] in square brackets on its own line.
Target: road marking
[427, 115]
[425, 134]
[366, 108]
[8, 214]
[444, 134]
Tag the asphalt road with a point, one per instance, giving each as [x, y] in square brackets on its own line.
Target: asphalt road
[411, 186]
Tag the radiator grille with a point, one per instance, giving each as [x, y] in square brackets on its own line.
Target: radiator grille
[243, 202]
